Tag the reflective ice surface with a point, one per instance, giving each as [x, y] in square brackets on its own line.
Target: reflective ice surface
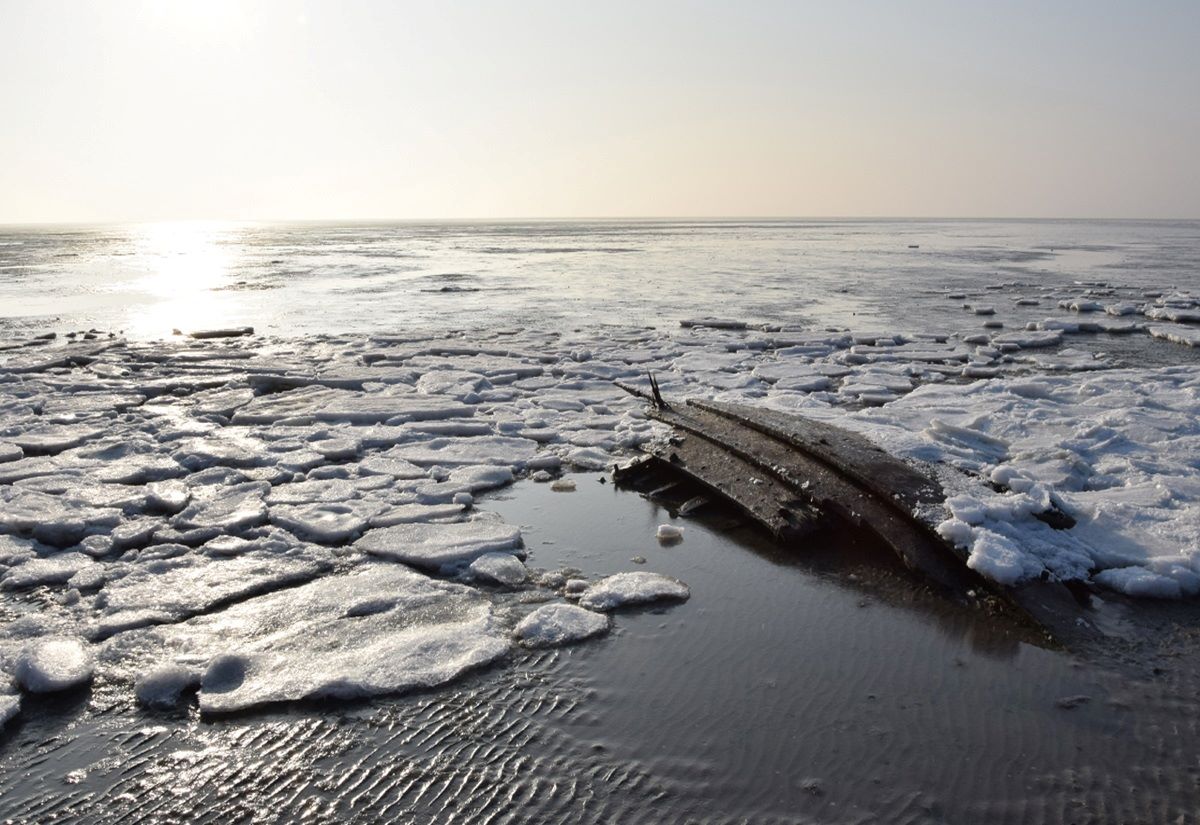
[149, 279]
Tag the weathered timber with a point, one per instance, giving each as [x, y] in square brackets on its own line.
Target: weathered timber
[787, 489]
[849, 454]
[774, 506]
[793, 476]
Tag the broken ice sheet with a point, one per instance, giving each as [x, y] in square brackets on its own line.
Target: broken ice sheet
[229, 508]
[456, 452]
[380, 629]
[559, 624]
[167, 590]
[628, 589]
[440, 546]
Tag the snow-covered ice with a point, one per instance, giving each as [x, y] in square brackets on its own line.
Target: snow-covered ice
[10, 706]
[168, 590]
[381, 628]
[53, 664]
[628, 589]
[669, 533]
[438, 546]
[499, 568]
[164, 686]
[552, 625]
[1094, 447]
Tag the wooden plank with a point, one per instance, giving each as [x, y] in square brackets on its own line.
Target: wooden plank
[850, 454]
[769, 464]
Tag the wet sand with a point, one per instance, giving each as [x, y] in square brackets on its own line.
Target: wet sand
[794, 686]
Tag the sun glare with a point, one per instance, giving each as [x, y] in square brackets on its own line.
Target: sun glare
[185, 264]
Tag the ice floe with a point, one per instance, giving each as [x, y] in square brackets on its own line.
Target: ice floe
[167, 590]
[54, 664]
[552, 625]
[440, 546]
[499, 568]
[379, 629]
[628, 589]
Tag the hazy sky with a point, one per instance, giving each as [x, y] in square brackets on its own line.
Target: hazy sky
[262, 109]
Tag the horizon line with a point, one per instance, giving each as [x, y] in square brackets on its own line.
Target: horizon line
[5, 225]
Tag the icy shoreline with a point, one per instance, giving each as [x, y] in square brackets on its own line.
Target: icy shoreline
[223, 513]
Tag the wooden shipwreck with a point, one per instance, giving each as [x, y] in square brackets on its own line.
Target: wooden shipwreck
[796, 477]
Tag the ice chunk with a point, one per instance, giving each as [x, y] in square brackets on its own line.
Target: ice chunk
[14, 550]
[409, 513]
[321, 641]
[590, 458]
[230, 332]
[163, 686]
[957, 532]
[500, 568]
[560, 624]
[55, 569]
[439, 546]
[221, 402]
[1179, 316]
[310, 492]
[1187, 336]
[464, 480]
[58, 520]
[54, 664]
[1139, 582]
[324, 404]
[338, 449]
[165, 592]
[1030, 339]
[327, 522]
[167, 496]
[10, 706]
[386, 464]
[713, 323]
[624, 589]
[52, 440]
[10, 452]
[226, 449]
[229, 509]
[454, 383]
[1000, 559]
[669, 534]
[455, 452]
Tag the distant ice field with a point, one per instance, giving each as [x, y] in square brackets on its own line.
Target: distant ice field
[327, 278]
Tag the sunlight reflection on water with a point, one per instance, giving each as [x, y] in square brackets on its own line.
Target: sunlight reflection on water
[184, 266]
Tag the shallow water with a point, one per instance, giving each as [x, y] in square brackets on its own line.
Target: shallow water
[325, 278]
[794, 686]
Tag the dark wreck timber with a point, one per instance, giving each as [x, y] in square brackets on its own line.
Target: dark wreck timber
[796, 477]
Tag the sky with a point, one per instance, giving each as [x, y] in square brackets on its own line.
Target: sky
[142, 110]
